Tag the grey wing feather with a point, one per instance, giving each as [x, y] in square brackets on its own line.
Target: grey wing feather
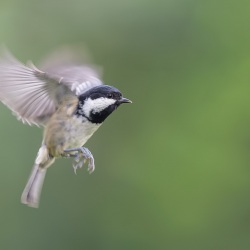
[25, 91]
[71, 63]
[78, 78]
[32, 94]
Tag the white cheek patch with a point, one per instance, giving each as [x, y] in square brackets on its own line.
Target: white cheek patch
[96, 105]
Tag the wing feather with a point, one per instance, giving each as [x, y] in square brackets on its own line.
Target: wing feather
[33, 95]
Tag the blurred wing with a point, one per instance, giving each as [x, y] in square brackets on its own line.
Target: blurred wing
[25, 91]
[72, 64]
[33, 95]
[78, 78]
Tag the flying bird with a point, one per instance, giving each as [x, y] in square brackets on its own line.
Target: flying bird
[68, 99]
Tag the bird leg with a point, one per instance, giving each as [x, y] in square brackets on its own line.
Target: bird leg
[82, 155]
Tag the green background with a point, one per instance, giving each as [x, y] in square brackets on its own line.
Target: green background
[173, 168]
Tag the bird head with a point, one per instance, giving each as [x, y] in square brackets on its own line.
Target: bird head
[99, 102]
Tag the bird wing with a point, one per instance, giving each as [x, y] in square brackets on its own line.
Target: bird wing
[33, 95]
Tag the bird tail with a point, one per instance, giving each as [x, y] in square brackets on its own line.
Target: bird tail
[33, 188]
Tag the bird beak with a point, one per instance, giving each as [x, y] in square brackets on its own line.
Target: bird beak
[124, 100]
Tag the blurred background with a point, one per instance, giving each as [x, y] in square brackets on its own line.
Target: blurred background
[173, 169]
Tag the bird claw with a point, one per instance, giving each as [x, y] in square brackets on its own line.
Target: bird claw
[78, 164]
[83, 156]
[88, 157]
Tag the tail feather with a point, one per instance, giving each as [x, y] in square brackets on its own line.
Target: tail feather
[33, 188]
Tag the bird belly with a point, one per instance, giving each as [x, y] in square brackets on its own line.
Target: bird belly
[68, 133]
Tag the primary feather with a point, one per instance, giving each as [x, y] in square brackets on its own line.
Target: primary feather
[33, 95]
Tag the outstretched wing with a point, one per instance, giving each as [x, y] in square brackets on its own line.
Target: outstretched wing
[33, 95]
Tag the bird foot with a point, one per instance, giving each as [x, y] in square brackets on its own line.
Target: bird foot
[82, 156]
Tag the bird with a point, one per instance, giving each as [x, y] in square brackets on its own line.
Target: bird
[68, 99]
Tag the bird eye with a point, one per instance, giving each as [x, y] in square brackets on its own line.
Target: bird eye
[110, 95]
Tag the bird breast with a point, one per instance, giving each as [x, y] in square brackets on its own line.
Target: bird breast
[72, 132]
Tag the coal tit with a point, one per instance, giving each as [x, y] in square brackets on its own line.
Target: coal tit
[68, 100]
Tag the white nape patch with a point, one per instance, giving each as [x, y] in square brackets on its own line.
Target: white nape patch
[96, 105]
